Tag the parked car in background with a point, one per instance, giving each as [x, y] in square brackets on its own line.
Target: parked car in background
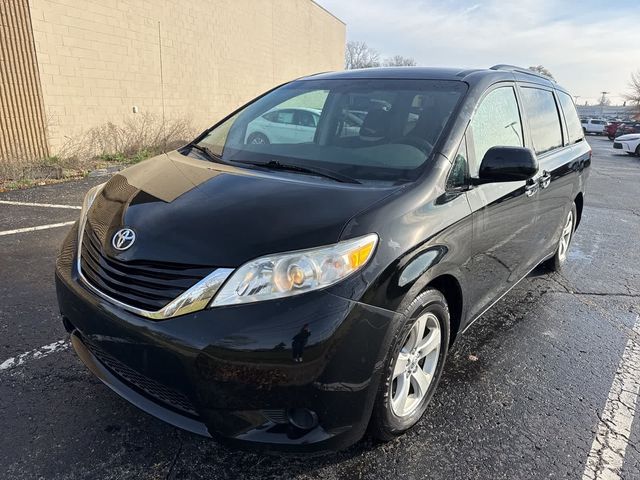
[284, 125]
[629, 143]
[611, 128]
[627, 128]
[293, 294]
[594, 125]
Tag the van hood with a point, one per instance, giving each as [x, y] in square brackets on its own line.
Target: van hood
[196, 212]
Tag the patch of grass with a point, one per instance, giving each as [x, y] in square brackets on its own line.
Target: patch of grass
[19, 184]
[143, 154]
[135, 157]
[113, 157]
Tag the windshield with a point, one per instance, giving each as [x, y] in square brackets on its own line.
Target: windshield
[366, 129]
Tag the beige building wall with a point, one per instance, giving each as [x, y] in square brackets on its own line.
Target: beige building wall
[22, 128]
[100, 58]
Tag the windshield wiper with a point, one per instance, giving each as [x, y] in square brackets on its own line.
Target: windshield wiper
[321, 172]
[208, 152]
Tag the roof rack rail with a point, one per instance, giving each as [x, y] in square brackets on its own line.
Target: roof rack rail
[526, 71]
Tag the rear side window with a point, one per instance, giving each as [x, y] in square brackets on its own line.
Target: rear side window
[544, 121]
[495, 123]
[574, 127]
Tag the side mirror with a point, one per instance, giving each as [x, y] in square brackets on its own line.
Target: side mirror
[508, 164]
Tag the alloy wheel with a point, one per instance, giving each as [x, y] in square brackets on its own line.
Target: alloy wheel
[415, 365]
[565, 239]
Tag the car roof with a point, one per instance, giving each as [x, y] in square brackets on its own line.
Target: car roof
[468, 75]
[304, 109]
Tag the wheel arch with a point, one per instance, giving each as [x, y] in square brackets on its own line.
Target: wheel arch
[450, 287]
[579, 201]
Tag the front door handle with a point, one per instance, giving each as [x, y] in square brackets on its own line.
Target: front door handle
[545, 179]
[531, 187]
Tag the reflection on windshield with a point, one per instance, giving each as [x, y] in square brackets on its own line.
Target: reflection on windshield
[379, 130]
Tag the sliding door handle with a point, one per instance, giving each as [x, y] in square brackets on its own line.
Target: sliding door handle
[545, 179]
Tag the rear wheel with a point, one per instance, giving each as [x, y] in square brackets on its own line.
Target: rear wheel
[556, 262]
[413, 367]
[638, 150]
[257, 139]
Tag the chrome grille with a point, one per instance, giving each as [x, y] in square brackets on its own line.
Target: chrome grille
[141, 284]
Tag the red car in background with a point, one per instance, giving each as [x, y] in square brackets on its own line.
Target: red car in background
[611, 128]
[626, 128]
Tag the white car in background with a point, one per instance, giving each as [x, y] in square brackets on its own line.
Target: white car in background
[284, 125]
[594, 125]
[629, 143]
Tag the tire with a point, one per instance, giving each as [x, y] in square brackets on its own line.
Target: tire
[638, 150]
[555, 263]
[258, 138]
[391, 417]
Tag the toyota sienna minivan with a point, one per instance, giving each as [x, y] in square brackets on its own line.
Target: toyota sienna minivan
[295, 275]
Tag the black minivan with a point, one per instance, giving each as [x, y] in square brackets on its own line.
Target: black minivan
[296, 274]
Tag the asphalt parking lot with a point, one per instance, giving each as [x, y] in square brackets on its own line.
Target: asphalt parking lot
[544, 385]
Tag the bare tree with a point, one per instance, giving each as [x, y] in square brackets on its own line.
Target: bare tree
[542, 70]
[633, 95]
[399, 61]
[360, 55]
[604, 100]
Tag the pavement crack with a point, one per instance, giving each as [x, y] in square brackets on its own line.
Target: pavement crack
[175, 459]
[607, 294]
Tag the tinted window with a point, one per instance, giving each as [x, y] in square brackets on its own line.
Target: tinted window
[271, 116]
[305, 118]
[368, 129]
[544, 121]
[496, 122]
[574, 127]
[285, 116]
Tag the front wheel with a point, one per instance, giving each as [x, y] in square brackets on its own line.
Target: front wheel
[556, 262]
[413, 366]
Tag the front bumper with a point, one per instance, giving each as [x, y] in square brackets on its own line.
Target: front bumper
[229, 372]
[629, 147]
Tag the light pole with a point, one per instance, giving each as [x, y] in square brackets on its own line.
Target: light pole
[603, 99]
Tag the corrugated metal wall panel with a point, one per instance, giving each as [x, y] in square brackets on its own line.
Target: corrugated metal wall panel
[22, 120]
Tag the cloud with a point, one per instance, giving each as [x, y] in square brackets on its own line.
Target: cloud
[588, 47]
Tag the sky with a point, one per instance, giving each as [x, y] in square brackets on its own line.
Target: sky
[589, 46]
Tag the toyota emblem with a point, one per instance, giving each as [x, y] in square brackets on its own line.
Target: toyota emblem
[123, 239]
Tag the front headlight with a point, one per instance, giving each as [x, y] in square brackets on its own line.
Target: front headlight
[292, 273]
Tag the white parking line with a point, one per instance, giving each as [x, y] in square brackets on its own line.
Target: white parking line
[41, 352]
[47, 205]
[33, 229]
[608, 449]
